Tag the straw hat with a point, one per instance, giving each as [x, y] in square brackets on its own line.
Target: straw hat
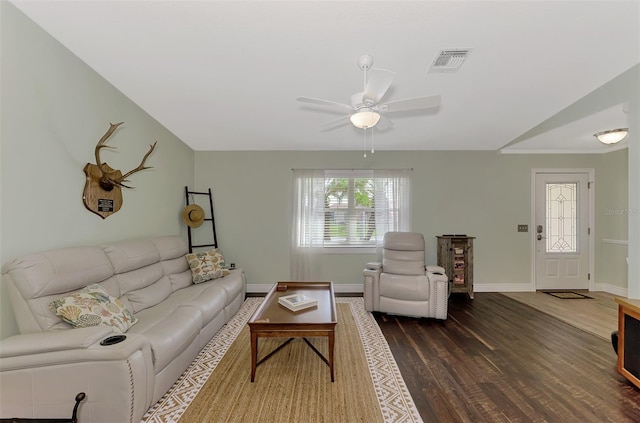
[193, 215]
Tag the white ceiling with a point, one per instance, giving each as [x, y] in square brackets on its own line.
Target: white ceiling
[225, 75]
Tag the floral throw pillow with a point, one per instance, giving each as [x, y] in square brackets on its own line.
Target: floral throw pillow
[93, 306]
[206, 266]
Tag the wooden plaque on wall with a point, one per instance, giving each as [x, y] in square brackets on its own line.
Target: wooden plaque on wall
[97, 200]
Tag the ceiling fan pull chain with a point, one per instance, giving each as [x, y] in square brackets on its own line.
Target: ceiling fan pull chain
[372, 149]
[364, 144]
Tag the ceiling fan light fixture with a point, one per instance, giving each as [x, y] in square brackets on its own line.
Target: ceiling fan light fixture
[612, 136]
[365, 118]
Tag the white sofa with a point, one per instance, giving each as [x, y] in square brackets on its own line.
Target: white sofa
[49, 362]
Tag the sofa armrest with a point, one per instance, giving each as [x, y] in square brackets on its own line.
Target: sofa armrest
[46, 355]
[371, 289]
[439, 292]
[436, 275]
[373, 266]
[118, 377]
[59, 340]
[435, 269]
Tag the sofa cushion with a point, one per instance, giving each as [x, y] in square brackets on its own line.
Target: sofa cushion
[58, 271]
[209, 298]
[170, 247]
[233, 284]
[404, 287]
[93, 306]
[131, 255]
[402, 262]
[150, 295]
[169, 331]
[34, 280]
[206, 266]
[403, 241]
[181, 280]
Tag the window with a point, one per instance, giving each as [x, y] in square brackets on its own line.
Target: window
[349, 208]
[349, 215]
[562, 217]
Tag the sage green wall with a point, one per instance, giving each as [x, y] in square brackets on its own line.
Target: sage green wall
[483, 194]
[54, 110]
[612, 190]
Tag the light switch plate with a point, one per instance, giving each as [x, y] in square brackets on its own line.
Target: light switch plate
[523, 228]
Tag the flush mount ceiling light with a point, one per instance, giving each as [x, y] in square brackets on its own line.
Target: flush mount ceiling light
[365, 118]
[612, 136]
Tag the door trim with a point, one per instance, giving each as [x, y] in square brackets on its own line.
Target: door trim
[532, 239]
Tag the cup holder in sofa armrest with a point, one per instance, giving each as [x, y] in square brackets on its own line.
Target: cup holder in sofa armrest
[113, 339]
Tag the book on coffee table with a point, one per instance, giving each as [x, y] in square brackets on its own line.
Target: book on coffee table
[296, 302]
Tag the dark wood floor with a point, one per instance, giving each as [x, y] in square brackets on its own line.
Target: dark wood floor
[498, 360]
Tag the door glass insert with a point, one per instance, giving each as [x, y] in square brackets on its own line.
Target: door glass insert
[562, 217]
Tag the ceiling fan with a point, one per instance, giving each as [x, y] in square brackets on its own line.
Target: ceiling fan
[366, 109]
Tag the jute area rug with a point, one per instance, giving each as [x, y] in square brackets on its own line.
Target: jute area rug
[293, 385]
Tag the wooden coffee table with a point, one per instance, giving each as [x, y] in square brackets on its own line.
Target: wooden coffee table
[272, 320]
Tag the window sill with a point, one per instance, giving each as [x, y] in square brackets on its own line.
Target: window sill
[349, 250]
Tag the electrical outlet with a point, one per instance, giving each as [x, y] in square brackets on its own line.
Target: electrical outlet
[523, 228]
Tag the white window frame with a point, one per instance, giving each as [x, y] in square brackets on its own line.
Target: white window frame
[392, 208]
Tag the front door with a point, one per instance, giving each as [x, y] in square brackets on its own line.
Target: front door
[562, 230]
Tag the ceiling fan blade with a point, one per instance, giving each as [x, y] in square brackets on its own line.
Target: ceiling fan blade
[379, 82]
[384, 123]
[357, 100]
[323, 102]
[334, 123]
[412, 104]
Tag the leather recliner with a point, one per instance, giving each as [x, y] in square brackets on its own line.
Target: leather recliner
[402, 284]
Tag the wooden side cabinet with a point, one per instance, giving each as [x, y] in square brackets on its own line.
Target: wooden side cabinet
[455, 255]
[629, 339]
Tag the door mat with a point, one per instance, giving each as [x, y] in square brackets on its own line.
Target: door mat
[568, 295]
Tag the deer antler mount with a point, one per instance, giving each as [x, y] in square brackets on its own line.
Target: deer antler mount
[103, 187]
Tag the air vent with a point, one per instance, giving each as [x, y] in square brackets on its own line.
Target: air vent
[449, 60]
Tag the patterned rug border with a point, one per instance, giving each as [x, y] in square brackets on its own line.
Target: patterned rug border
[396, 403]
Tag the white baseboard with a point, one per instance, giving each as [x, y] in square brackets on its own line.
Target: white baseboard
[612, 289]
[259, 288]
